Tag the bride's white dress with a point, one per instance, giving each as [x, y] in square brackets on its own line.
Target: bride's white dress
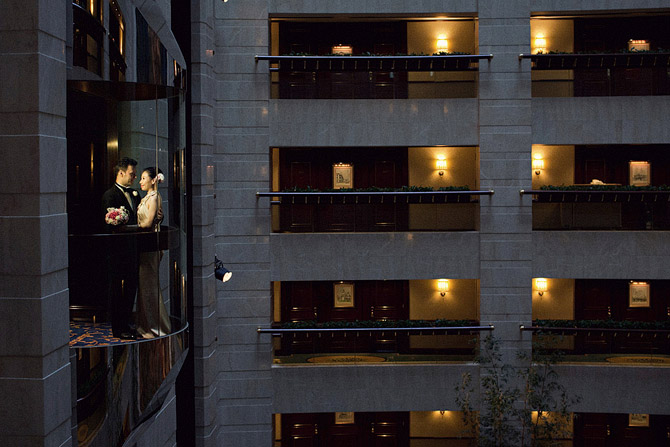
[152, 317]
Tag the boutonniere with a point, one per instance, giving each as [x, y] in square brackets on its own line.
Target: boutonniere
[135, 193]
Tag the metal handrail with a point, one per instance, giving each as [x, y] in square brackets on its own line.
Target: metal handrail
[370, 193]
[587, 191]
[587, 55]
[360, 57]
[593, 329]
[278, 331]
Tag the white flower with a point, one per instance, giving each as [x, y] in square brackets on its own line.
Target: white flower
[160, 177]
[135, 193]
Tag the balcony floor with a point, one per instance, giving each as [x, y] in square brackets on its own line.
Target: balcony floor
[84, 334]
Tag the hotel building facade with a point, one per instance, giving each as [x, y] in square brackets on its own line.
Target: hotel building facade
[389, 182]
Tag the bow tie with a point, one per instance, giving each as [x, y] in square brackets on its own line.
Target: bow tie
[124, 189]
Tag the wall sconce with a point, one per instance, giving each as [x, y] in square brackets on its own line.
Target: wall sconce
[540, 44]
[538, 164]
[541, 285]
[220, 272]
[441, 166]
[638, 45]
[442, 44]
[347, 50]
[443, 286]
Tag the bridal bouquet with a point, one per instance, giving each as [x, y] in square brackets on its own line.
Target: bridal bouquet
[116, 216]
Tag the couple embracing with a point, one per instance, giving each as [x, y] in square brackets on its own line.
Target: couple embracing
[132, 272]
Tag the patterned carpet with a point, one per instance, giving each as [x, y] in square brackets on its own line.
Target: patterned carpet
[84, 334]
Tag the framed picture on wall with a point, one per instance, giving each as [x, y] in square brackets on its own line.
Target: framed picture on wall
[638, 420]
[638, 294]
[343, 294]
[639, 173]
[344, 417]
[343, 175]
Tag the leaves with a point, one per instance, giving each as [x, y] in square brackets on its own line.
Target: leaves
[313, 324]
[603, 188]
[377, 189]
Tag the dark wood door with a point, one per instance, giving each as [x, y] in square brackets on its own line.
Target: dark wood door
[300, 430]
[614, 430]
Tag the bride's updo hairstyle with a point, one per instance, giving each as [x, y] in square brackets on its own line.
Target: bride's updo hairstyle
[155, 175]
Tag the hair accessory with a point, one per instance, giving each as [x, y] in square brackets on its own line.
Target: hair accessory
[160, 177]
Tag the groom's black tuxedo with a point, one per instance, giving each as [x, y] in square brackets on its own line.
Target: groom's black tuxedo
[115, 198]
[122, 259]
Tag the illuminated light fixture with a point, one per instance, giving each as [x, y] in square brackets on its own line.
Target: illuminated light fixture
[541, 285]
[638, 45]
[538, 164]
[346, 50]
[443, 286]
[540, 44]
[442, 44]
[442, 412]
[441, 166]
[220, 272]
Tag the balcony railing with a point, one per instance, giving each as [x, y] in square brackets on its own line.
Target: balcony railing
[623, 345]
[602, 74]
[340, 345]
[560, 209]
[449, 62]
[374, 77]
[361, 211]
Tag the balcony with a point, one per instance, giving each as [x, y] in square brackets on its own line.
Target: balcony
[599, 56]
[613, 322]
[361, 189]
[615, 187]
[390, 321]
[391, 59]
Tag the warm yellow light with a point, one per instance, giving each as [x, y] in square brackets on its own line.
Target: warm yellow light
[441, 165]
[538, 165]
[443, 286]
[540, 44]
[442, 44]
[541, 285]
[342, 49]
[638, 45]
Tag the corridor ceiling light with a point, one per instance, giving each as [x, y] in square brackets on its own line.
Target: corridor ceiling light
[541, 285]
[538, 164]
[220, 272]
[442, 44]
[443, 286]
[441, 166]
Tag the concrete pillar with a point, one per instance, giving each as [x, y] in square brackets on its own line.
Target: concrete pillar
[242, 158]
[505, 149]
[35, 378]
[205, 353]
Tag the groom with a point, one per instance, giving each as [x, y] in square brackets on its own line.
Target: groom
[122, 249]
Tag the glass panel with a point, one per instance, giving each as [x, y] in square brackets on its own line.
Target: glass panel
[129, 277]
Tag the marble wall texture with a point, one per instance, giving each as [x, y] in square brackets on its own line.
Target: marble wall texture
[240, 101]
[35, 374]
[503, 122]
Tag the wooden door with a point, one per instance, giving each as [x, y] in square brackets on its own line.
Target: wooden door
[297, 304]
[300, 430]
[388, 301]
[593, 301]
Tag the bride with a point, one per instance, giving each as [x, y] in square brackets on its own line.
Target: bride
[152, 317]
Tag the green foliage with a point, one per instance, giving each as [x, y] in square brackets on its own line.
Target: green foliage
[610, 52]
[604, 324]
[603, 188]
[510, 395]
[312, 324]
[377, 189]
